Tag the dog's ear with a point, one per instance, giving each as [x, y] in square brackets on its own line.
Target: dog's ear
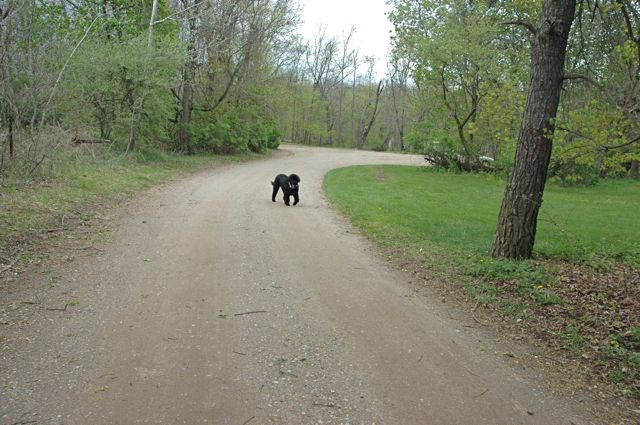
[295, 178]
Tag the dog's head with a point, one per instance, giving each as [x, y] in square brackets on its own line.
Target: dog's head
[293, 181]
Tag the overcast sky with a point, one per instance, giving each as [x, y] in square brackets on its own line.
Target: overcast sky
[367, 16]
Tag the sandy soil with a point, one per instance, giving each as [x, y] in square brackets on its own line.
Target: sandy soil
[208, 303]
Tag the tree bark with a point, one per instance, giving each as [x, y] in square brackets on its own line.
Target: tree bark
[188, 80]
[152, 21]
[516, 231]
[367, 127]
[10, 116]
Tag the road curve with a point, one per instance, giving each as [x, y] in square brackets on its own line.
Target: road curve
[211, 304]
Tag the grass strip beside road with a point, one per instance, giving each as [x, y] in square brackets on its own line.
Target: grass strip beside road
[74, 189]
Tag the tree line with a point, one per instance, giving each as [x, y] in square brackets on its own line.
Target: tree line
[187, 76]
[228, 75]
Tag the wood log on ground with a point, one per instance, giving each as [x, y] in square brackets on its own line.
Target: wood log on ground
[77, 140]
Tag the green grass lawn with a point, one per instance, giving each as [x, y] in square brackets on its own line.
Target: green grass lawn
[458, 212]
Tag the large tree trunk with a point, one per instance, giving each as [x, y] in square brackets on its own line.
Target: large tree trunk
[517, 221]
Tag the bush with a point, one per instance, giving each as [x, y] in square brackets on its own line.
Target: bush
[570, 172]
[265, 135]
[224, 135]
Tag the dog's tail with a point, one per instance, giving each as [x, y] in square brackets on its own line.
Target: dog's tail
[273, 184]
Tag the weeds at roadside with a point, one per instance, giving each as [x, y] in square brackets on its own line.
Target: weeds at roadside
[69, 189]
[571, 338]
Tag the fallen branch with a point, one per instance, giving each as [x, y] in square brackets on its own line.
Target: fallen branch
[37, 165]
[284, 372]
[482, 393]
[250, 312]
[82, 140]
[248, 420]
[59, 309]
[325, 405]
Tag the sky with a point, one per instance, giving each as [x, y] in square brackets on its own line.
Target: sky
[367, 16]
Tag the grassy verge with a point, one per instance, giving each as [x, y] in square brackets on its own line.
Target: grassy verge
[580, 296]
[78, 184]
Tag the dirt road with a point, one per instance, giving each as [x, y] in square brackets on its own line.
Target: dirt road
[210, 304]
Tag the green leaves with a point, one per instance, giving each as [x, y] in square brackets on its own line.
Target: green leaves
[463, 62]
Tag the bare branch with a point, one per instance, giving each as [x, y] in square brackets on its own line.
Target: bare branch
[64, 67]
[622, 145]
[591, 139]
[581, 77]
[177, 13]
[173, 91]
[525, 24]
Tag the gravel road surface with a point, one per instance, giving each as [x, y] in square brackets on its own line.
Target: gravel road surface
[209, 304]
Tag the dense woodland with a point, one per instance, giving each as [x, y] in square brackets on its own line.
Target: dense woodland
[229, 75]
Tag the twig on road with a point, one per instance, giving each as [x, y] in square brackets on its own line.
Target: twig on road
[285, 372]
[325, 405]
[248, 420]
[59, 309]
[250, 312]
[482, 393]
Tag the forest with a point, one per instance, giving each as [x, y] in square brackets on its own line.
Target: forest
[223, 76]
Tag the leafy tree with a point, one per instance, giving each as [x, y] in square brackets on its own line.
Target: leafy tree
[112, 84]
[517, 221]
[598, 126]
[457, 57]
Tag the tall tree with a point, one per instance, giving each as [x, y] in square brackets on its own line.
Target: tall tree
[398, 82]
[191, 9]
[517, 222]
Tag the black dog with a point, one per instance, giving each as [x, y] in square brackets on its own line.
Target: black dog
[289, 187]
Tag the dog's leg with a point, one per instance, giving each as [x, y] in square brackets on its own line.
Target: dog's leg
[275, 191]
[295, 198]
[286, 199]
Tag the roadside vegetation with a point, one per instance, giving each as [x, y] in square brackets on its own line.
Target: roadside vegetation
[580, 294]
[77, 186]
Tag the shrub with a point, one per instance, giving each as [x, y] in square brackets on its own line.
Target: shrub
[569, 171]
[226, 135]
[265, 135]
